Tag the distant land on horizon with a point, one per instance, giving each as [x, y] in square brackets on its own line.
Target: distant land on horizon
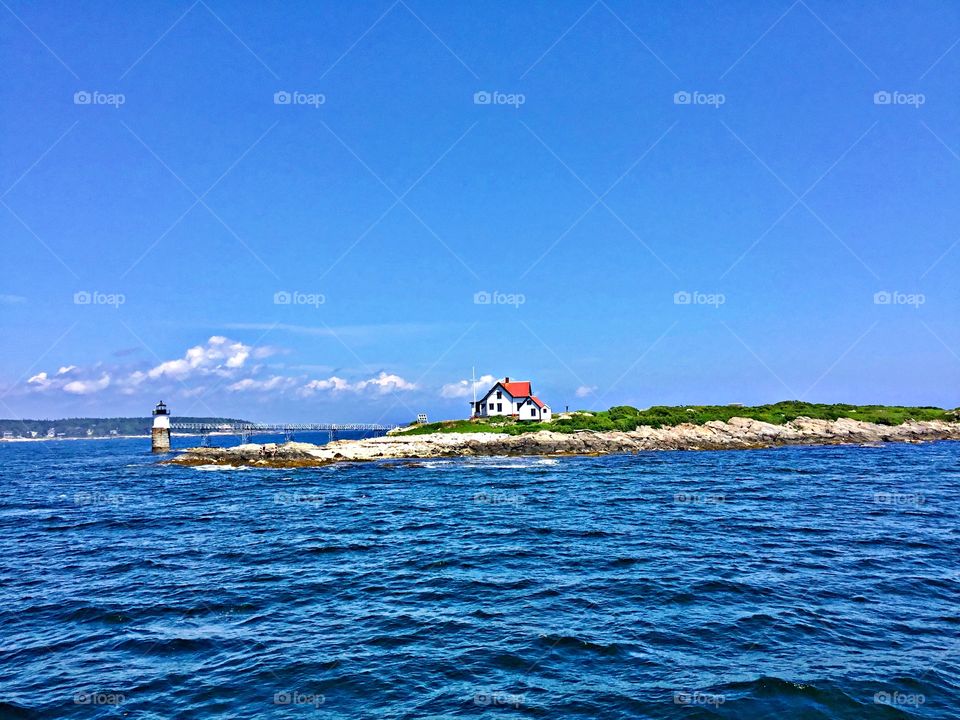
[91, 427]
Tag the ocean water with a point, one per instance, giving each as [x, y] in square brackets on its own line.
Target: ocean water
[784, 583]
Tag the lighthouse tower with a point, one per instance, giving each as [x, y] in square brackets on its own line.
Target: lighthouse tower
[161, 428]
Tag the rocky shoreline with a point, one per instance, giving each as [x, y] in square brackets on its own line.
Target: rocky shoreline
[736, 434]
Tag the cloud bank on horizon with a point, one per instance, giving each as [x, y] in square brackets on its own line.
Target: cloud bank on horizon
[231, 365]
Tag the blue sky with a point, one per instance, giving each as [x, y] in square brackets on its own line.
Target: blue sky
[664, 203]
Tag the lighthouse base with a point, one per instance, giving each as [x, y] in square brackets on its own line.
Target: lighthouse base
[161, 440]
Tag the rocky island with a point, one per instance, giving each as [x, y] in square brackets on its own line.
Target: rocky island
[735, 433]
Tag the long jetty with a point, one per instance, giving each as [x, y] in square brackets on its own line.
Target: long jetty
[248, 430]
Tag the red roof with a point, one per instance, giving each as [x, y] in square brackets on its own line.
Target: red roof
[538, 401]
[517, 389]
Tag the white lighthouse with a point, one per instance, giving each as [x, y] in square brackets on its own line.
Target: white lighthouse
[161, 428]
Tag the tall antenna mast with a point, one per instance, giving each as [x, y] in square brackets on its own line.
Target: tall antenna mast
[473, 384]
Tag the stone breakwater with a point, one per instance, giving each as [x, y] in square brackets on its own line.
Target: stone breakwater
[736, 434]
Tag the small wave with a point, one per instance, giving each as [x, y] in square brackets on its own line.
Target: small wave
[325, 549]
[167, 646]
[626, 561]
[10, 710]
[823, 699]
[574, 642]
[219, 468]
[485, 614]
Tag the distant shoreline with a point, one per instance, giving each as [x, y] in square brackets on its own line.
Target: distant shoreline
[55, 439]
[95, 428]
[106, 437]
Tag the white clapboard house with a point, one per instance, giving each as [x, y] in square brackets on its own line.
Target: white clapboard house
[515, 399]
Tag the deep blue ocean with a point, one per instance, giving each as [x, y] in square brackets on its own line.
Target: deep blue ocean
[784, 583]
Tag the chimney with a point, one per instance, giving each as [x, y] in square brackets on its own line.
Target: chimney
[506, 379]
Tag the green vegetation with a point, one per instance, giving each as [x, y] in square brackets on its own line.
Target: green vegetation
[92, 427]
[624, 417]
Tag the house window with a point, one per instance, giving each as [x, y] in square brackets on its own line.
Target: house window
[499, 394]
[490, 407]
[499, 407]
[533, 413]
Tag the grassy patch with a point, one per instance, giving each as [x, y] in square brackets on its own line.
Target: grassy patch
[624, 417]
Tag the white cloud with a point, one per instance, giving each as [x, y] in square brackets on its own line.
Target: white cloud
[463, 388]
[40, 380]
[277, 382]
[219, 359]
[585, 390]
[220, 355]
[332, 383]
[381, 384]
[87, 387]
[385, 383]
[265, 351]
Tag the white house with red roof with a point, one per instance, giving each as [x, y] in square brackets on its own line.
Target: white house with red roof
[514, 398]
